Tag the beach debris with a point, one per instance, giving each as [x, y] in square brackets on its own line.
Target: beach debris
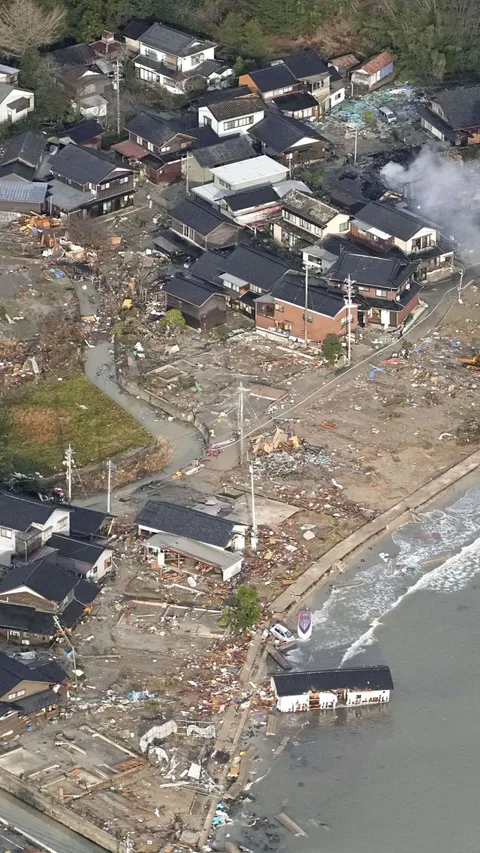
[272, 721]
[278, 657]
[290, 824]
[230, 847]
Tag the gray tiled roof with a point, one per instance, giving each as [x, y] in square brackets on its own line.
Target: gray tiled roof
[461, 106]
[20, 513]
[28, 147]
[23, 192]
[296, 101]
[371, 271]
[306, 64]
[273, 77]
[223, 153]
[153, 129]
[391, 220]
[183, 521]
[354, 678]
[291, 288]
[237, 107]
[255, 197]
[173, 41]
[203, 218]
[192, 291]
[279, 132]
[82, 165]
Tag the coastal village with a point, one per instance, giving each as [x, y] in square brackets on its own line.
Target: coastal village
[233, 350]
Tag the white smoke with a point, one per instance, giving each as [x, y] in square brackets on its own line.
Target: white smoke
[445, 191]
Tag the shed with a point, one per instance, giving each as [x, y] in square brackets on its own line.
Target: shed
[197, 553]
[165, 517]
[202, 304]
[374, 72]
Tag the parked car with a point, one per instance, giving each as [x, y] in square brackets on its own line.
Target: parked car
[387, 115]
[281, 632]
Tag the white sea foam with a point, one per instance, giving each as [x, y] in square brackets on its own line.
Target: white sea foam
[351, 616]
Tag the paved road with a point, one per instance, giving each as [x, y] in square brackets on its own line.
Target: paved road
[48, 833]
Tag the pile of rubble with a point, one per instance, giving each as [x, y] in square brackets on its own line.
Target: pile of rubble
[16, 365]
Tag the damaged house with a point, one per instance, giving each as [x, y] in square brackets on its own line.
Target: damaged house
[205, 539]
[327, 689]
[453, 116]
[202, 304]
[384, 288]
[26, 690]
[307, 219]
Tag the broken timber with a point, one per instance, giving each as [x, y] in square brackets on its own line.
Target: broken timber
[278, 657]
[290, 824]
[230, 847]
[272, 721]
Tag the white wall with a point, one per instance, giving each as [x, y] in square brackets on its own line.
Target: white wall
[187, 62]
[99, 570]
[407, 245]
[337, 97]
[288, 704]
[367, 697]
[219, 126]
[334, 226]
[7, 547]
[11, 115]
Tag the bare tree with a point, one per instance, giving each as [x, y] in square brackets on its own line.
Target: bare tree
[25, 25]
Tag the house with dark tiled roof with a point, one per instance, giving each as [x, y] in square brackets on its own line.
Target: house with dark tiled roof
[164, 517]
[26, 524]
[230, 150]
[15, 103]
[385, 289]
[88, 181]
[203, 225]
[288, 140]
[453, 116]
[23, 156]
[132, 32]
[202, 304]
[178, 61]
[305, 218]
[232, 116]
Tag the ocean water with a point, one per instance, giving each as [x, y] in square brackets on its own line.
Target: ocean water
[404, 778]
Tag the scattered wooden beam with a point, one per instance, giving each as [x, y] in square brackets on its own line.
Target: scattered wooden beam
[290, 824]
[278, 657]
[271, 725]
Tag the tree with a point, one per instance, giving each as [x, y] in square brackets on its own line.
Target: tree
[332, 348]
[244, 611]
[25, 24]
[173, 319]
[253, 39]
[51, 103]
[230, 31]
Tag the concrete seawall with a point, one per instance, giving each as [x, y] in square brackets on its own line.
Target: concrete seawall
[43, 803]
[392, 519]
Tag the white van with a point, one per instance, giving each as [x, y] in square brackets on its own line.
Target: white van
[387, 114]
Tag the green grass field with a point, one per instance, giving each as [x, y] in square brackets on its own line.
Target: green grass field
[36, 425]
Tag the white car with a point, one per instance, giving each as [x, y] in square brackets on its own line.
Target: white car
[280, 632]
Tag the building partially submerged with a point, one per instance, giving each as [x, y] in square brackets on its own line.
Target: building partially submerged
[329, 688]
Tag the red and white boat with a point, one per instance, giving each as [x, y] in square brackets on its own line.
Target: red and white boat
[304, 624]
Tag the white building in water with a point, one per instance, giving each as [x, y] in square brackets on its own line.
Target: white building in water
[329, 688]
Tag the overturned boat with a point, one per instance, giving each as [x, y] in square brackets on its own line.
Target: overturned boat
[304, 624]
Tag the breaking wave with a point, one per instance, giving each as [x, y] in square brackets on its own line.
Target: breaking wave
[428, 558]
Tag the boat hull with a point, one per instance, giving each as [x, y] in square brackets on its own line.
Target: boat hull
[304, 625]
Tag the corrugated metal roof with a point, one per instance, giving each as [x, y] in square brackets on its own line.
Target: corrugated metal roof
[23, 191]
[376, 63]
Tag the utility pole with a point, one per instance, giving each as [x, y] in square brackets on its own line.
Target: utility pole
[305, 330]
[109, 485]
[69, 463]
[186, 175]
[355, 146]
[240, 423]
[117, 87]
[72, 647]
[460, 284]
[349, 283]
[254, 537]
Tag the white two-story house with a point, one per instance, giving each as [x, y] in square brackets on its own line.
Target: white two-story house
[172, 59]
[232, 116]
[26, 525]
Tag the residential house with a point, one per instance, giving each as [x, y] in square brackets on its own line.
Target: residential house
[25, 690]
[165, 549]
[373, 73]
[23, 197]
[25, 525]
[164, 517]
[202, 225]
[385, 288]
[88, 133]
[344, 64]
[86, 88]
[271, 82]
[88, 183]
[85, 559]
[217, 96]
[253, 207]
[304, 217]
[201, 303]
[132, 33]
[230, 150]
[241, 176]
[232, 116]
[74, 54]
[453, 116]
[338, 87]
[300, 73]
[23, 156]
[173, 59]
[42, 587]
[299, 105]
[381, 227]
[282, 309]
[244, 274]
[326, 689]
[9, 75]
[288, 140]
[15, 103]
[164, 141]
[89, 524]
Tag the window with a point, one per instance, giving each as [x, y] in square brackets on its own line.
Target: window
[280, 308]
[150, 146]
[5, 532]
[347, 319]
[188, 232]
[309, 318]
[89, 90]
[14, 633]
[198, 58]
[380, 293]
[151, 53]
[139, 140]
[255, 289]
[224, 184]
[124, 180]
[106, 186]
[165, 148]
[237, 122]
[343, 226]
[17, 694]
[422, 243]
[61, 524]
